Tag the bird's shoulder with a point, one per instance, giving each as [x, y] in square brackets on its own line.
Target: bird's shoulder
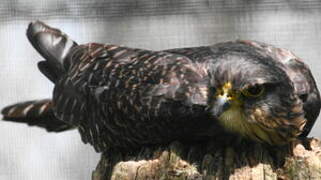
[296, 69]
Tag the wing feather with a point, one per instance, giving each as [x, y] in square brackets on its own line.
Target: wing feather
[123, 87]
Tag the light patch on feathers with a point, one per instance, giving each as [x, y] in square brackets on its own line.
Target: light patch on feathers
[74, 104]
[56, 41]
[65, 103]
[120, 53]
[12, 110]
[82, 107]
[84, 67]
[43, 108]
[112, 47]
[68, 45]
[27, 109]
[285, 55]
[97, 128]
[95, 52]
[260, 81]
[96, 66]
[98, 91]
[91, 135]
[71, 118]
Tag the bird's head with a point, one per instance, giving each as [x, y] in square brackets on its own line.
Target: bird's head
[254, 97]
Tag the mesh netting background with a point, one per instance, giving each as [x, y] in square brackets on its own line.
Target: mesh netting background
[31, 153]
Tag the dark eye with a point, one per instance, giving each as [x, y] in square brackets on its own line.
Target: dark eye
[253, 91]
[303, 97]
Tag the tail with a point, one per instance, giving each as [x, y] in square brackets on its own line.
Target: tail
[35, 113]
[53, 45]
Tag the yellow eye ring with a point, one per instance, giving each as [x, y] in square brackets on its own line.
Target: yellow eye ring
[254, 91]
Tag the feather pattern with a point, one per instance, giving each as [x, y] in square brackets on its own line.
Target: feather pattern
[35, 113]
[120, 97]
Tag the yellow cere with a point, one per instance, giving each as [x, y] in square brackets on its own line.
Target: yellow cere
[226, 92]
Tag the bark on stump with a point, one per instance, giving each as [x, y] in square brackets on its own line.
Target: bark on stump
[299, 160]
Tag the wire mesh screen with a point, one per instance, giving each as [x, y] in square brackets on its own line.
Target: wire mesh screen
[31, 153]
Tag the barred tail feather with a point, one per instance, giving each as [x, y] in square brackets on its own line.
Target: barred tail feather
[35, 113]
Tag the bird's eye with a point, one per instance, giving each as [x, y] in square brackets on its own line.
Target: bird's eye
[253, 91]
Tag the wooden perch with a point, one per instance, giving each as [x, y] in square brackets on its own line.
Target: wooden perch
[299, 160]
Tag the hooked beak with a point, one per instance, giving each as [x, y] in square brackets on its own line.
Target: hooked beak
[223, 99]
[221, 104]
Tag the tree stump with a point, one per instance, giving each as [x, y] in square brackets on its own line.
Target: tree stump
[300, 159]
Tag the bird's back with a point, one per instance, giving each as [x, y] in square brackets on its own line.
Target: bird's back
[121, 97]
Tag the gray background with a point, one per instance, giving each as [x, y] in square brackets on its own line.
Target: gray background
[31, 153]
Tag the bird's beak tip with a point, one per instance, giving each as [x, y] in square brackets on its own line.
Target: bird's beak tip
[221, 104]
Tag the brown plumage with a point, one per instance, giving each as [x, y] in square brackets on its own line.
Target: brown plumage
[121, 97]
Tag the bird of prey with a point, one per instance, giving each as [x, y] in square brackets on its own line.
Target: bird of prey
[120, 97]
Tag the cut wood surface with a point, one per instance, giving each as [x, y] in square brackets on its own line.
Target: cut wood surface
[300, 159]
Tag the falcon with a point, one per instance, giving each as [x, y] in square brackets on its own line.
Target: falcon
[120, 97]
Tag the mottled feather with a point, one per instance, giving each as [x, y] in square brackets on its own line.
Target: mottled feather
[120, 97]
